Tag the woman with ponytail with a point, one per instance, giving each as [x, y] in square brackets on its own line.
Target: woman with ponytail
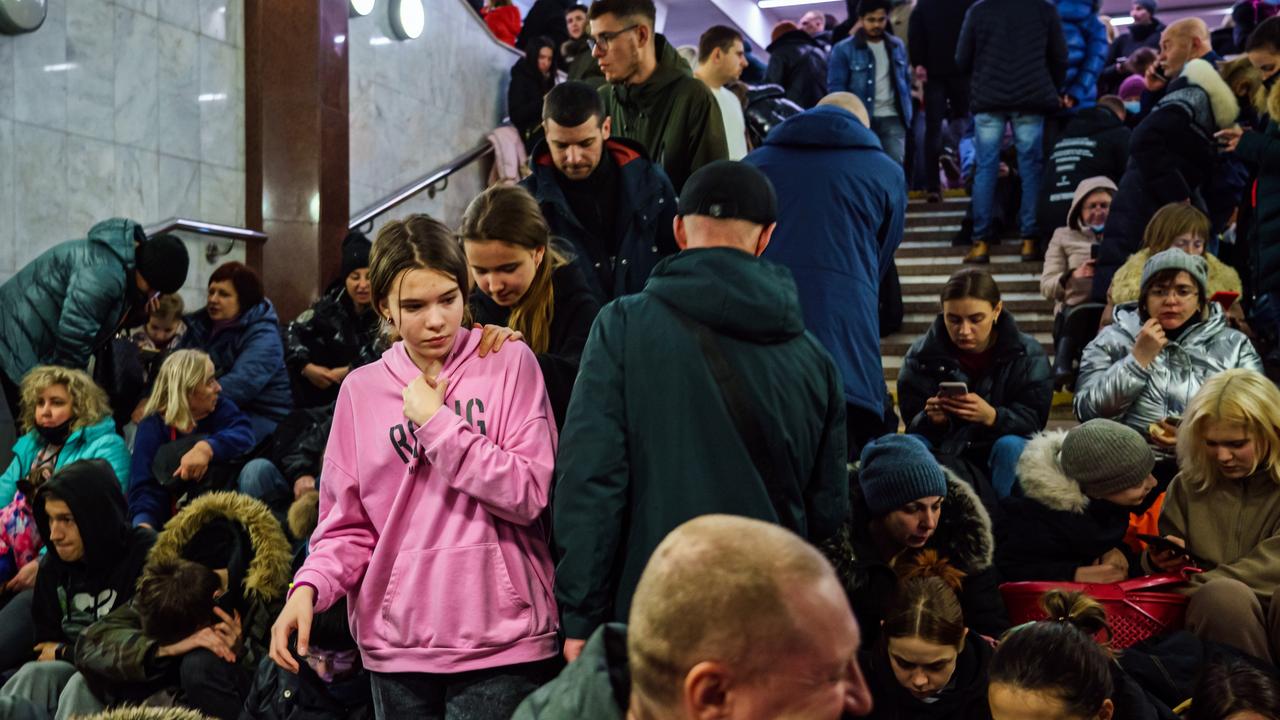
[525, 282]
[927, 664]
[1057, 668]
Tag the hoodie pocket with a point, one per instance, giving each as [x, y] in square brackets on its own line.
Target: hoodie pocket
[458, 597]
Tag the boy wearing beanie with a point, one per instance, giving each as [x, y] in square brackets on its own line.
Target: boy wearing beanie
[903, 502]
[1078, 490]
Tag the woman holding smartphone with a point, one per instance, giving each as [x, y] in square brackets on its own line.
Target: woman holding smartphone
[974, 387]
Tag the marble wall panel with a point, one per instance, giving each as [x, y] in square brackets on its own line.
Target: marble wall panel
[91, 82]
[179, 94]
[40, 71]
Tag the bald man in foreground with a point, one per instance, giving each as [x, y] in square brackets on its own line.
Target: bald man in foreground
[733, 618]
[841, 205]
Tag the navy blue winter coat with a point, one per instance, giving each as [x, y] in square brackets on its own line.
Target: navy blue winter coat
[1087, 48]
[843, 201]
[248, 357]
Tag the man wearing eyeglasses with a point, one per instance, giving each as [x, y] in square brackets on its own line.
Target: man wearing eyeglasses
[652, 95]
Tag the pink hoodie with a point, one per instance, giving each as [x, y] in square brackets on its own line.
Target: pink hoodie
[436, 535]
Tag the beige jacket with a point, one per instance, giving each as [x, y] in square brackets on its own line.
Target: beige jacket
[1069, 248]
[1234, 526]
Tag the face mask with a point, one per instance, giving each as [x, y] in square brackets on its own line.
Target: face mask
[55, 435]
[1132, 106]
[1097, 229]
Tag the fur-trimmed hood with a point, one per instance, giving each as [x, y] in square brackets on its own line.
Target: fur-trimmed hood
[148, 713]
[1041, 478]
[964, 535]
[269, 572]
[1222, 101]
[1126, 283]
[1273, 101]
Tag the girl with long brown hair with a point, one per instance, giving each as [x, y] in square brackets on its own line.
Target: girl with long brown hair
[525, 282]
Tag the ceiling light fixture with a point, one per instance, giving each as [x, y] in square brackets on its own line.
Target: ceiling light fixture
[408, 18]
[766, 4]
[1121, 21]
[360, 8]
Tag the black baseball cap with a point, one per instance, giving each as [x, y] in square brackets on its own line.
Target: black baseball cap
[730, 190]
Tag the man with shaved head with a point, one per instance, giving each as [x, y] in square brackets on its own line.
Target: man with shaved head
[1181, 42]
[732, 618]
[841, 201]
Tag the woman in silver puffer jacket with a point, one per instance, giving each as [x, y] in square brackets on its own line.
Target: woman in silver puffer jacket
[1147, 365]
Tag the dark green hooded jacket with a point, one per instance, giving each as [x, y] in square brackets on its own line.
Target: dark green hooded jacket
[67, 301]
[648, 442]
[673, 114]
[596, 686]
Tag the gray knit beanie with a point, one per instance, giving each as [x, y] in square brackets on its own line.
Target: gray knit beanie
[1176, 259]
[1104, 457]
[896, 470]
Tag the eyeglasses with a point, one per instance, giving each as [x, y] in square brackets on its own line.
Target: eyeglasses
[603, 39]
[1182, 292]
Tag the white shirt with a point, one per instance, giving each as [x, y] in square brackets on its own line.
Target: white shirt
[884, 88]
[735, 125]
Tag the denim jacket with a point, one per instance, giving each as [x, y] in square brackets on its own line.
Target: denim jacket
[852, 68]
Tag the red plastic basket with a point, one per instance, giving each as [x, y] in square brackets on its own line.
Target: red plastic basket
[1136, 609]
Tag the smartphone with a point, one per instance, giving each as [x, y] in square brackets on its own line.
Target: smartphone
[952, 389]
[1225, 298]
[1093, 251]
[1174, 420]
[1156, 542]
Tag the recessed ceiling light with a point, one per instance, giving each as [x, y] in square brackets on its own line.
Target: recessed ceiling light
[360, 8]
[408, 18]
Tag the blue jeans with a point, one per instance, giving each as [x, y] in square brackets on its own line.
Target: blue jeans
[262, 480]
[1028, 133]
[892, 134]
[1003, 463]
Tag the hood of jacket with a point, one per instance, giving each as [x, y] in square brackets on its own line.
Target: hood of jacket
[269, 572]
[119, 236]
[150, 713]
[92, 492]
[826, 127]
[623, 150]
[1083, 190]
[671, 68]
[1273, 99]
[964, 535]
[1092, 121]
[263, 312]
[597, 685]
[792, 37]
[1041, 478]
[732, 292]
[463, 354]
[1222, 102]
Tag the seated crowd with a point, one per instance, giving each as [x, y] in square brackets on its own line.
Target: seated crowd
[618, 444]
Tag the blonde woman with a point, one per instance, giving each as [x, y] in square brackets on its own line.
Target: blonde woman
[184, 414]
[65, 417]
[1224, 509]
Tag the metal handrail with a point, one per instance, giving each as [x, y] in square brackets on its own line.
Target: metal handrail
[211, 251]
[439, 176]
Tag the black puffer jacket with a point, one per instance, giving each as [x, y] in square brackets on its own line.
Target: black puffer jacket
[1016, 53]
[333, 334]
[278, 694]
[1171, 157]
[1019, 386]
[964, 538]
[1053, 528]
[798, 63]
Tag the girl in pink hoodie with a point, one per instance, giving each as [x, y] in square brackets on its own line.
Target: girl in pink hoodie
[435, 479]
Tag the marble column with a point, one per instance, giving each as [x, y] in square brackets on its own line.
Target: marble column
[296, 139]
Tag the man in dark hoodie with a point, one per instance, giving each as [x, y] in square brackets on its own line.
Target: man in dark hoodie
[711, 354]
[97, 557]
[841, 220]
[127, 657]
[652, 94]
[1144, 31]
[600, 193]
[797, 62]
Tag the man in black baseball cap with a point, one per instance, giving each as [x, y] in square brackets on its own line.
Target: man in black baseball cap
[700, 394]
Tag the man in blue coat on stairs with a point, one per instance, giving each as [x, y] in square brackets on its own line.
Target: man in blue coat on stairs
[842, 204]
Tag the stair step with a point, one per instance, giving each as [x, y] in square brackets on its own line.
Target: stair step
[932, 265]
[1032, 322]
[940, 248]
[1015, 302]
[898, 343]
[1009, 285]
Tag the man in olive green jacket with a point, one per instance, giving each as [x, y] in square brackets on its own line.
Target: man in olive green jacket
[652, 94]
[649, 440]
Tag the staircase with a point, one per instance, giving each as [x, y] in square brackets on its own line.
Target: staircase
[926, 259]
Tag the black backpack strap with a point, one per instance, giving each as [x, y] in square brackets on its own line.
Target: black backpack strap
[746, 420]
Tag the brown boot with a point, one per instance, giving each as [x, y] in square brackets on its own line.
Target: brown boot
[978, 254]
[1030, 253]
